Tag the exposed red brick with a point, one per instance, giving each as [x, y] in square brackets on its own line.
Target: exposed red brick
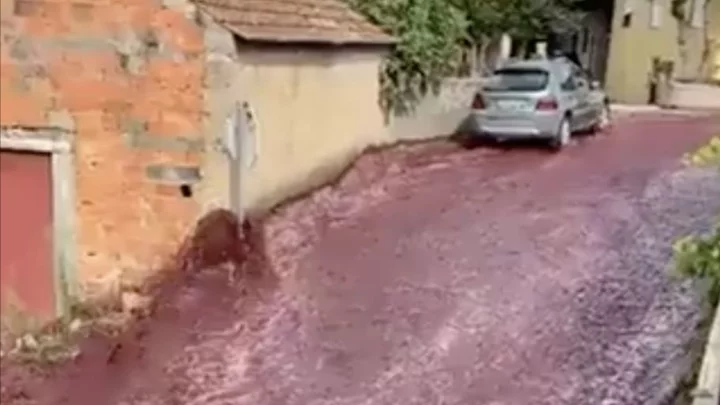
[94, 123]
[92, 64]
[46, 27]
[124, 221]
[174, 123]
[136, 16]
[24, 110]
[78, 94]
[8, 71]
[184, 38]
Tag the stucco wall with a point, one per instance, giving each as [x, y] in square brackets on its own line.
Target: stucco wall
[714, 33]
[439, 113]
[124, 77]
[694, 68]
[690, 66]
[316, 108]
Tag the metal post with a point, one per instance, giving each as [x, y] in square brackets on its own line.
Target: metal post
[238, 131]
[240, 147]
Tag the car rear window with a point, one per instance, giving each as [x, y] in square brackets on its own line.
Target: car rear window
[517, 80]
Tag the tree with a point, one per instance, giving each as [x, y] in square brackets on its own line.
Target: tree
[523, 19]
[429, 34]
[486, 21]
[432, 33]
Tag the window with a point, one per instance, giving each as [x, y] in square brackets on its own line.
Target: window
[580, 77]
[586, 40]
[629, 7]
[569, 84]
[518, 79]
[574, 78]
[656, 14]
[627, 20]
[574, 42]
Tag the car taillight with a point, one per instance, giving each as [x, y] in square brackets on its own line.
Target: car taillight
[546, 104]
[478, 102]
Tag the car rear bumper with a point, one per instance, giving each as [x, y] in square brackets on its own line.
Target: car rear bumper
[535, 125]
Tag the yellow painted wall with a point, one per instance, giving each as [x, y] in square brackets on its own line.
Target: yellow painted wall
[316, 109]
[695, 67]
[633, 48]
[714, 30]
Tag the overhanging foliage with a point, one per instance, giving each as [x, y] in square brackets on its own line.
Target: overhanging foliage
[432, 33]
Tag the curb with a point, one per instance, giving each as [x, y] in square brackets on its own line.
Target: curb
[650, 110]
[707, 391]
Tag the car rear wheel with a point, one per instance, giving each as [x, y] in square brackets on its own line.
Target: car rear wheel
[564, 133]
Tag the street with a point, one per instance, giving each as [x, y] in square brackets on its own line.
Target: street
[494, 276]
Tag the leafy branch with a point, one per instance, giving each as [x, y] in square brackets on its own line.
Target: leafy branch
[429, 34]
[433, 33]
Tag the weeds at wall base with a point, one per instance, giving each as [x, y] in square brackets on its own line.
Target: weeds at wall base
[698, 258]
[695, 349]
[218, 239]
[58, 341]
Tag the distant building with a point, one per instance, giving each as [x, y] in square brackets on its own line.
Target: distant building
[644, 30]
[618, 41]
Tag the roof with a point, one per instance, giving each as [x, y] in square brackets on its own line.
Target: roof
[294, 21]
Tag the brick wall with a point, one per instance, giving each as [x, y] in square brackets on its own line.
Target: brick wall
[126, 77]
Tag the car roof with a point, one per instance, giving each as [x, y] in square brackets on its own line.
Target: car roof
[542, 64]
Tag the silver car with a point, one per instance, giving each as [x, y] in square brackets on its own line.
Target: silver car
[544, 99]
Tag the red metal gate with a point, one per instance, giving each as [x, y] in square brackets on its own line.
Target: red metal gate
[26, 242]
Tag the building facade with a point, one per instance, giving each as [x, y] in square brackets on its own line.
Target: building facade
[114, 118]
[643, 31]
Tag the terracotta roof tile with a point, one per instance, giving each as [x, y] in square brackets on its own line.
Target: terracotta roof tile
[321, 21]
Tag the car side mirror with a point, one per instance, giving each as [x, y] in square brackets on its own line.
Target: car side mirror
[594, 85]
